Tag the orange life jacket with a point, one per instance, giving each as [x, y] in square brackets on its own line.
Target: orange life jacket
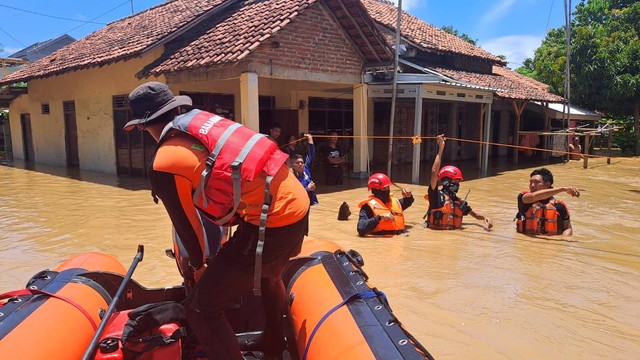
[448, 217]
[539, 219]
[378, 207]
[238, 154]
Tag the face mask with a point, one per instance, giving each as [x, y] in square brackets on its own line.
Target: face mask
[450, 187]
[381, 194]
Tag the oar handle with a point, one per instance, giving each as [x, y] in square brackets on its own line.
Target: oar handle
[89, 353]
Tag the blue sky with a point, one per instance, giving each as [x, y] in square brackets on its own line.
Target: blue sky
[514, 28]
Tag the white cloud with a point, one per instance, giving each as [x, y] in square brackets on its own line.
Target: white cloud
[515, 47]
[495, 13]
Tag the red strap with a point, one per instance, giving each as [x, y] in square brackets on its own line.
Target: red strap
[23, 292]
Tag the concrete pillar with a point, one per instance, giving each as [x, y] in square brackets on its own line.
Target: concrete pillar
[360, 131]
[249, 101]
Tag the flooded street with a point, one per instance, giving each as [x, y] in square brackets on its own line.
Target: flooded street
[467, 294]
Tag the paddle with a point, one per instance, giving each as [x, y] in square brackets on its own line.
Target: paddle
[89, 354]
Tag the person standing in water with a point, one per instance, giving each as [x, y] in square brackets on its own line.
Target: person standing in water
[381, 213]
[446, 210]
[539, 211]
[302, 169]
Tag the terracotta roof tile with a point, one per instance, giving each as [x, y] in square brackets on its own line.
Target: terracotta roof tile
[232, 36]
[117, 41]
[509, 84]
[236, 31]
[423, 34]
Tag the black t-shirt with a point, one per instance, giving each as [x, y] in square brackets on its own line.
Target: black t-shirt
[563, 213]
[329, 152]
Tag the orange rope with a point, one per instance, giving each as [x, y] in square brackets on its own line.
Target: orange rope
[418, 139]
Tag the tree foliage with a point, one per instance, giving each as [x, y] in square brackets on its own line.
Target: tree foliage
[453, 31]
[604, 58]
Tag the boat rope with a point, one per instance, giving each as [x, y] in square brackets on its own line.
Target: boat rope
[23, 292]
[356, 296]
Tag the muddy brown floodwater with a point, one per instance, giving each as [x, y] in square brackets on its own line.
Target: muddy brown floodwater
[466, 294]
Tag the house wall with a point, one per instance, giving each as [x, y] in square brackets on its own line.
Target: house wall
[313, 46]
[92, 90]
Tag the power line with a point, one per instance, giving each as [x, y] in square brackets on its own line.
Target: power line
[51, 16]
[549, 16]
[99, 16]
[14, 39]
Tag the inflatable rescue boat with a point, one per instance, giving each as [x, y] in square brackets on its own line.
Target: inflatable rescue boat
[89, 308]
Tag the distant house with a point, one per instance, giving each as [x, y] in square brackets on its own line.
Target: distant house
[13, 63]
[33, 53]
[41, 49]
[310, 65]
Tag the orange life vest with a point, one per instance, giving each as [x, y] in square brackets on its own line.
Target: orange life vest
[539, 219]
[238, 154]
[378, 207]
[448, 217]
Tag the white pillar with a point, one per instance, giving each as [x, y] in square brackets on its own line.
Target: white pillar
[360, 129]
[249, 101]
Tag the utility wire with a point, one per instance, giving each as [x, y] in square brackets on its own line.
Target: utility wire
[51, 16]
[549, 16]
[99, 16]
[14, 39]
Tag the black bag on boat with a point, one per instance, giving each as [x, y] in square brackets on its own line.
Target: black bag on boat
[142, 332]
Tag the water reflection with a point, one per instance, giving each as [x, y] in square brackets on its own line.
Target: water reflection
[463, 294]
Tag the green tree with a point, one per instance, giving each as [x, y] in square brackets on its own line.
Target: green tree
[605, 59]
[527, 68]
[453, 31]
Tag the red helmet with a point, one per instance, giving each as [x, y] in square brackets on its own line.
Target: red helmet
[379, 181]
[451, 172]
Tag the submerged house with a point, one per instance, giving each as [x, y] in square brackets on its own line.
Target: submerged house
[310, 65]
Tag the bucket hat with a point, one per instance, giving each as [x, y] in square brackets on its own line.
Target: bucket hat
[150, 100]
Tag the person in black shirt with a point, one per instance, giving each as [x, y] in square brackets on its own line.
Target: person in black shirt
[539, 212]
[335, 159]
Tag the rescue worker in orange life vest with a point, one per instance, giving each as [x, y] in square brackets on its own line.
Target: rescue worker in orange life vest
[381, 213]
[446, 210]
[539, 211]
[271, 220]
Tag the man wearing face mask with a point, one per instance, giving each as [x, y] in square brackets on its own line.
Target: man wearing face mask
[446, 210]
[381, 213]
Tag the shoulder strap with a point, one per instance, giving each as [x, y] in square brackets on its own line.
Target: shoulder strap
[211, 161]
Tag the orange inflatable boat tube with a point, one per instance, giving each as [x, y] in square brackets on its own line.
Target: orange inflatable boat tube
[57, 314]
[335, 314]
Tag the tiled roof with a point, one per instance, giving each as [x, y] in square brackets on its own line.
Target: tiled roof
[422, 34]
[230, 38]
[239, 27]
[509, 84]
[117, 41]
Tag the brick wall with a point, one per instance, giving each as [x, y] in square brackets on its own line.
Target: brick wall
[313, 42]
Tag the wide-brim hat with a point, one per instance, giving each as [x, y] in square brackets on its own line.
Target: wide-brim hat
[150, 100]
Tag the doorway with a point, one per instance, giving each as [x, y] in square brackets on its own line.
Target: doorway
[71, 134]
[27, 138]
